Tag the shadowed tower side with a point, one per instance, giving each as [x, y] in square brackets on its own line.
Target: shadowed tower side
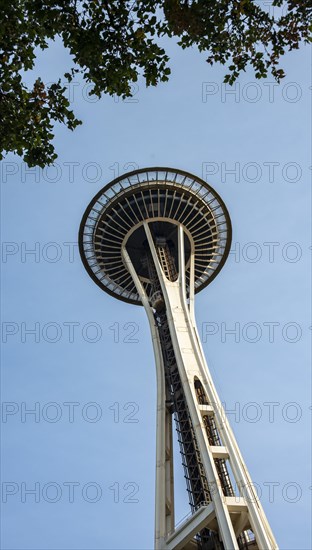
[155, 237]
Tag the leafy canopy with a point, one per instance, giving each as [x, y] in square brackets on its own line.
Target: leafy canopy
[113, 42]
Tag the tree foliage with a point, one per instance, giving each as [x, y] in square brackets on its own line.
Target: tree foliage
[113, 42]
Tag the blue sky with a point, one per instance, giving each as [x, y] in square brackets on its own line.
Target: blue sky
[91, 355]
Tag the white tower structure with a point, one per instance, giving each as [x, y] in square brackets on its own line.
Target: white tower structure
[155, 237]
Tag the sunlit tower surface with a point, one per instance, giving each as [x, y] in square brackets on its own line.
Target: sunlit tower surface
[155, 237]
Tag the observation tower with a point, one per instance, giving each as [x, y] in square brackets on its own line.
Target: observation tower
[155, 237]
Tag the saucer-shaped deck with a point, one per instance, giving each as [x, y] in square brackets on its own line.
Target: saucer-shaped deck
[165, 198]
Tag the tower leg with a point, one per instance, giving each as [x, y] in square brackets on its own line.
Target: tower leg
[164, 489]
[164, 482]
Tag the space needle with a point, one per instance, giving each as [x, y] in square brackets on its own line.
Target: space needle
[156, 237]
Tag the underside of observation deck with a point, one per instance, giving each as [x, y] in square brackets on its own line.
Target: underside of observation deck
[117, 213]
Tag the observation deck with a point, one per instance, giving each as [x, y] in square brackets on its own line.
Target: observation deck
[165, 198]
